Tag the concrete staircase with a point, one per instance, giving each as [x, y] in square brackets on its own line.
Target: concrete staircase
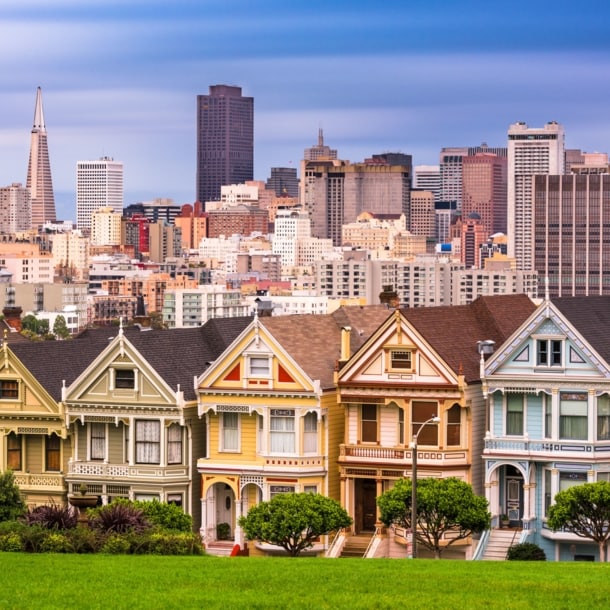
[356, 545]
[500, 540]
[221, 548]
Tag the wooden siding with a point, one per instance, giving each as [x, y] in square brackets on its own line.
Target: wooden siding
[116, 443]
[33, 459]
[475, 434]
[336, 433]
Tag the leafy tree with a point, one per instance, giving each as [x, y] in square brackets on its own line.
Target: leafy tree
[30, 322]
[294, 520]
[585, 511]
[443, 506]
[11, 502]
[60, 328]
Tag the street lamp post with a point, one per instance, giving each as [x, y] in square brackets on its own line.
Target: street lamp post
[433, 420]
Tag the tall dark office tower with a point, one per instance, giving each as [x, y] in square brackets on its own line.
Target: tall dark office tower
[225, 140]
[39, 171]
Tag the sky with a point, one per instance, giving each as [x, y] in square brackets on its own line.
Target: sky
[119, 78]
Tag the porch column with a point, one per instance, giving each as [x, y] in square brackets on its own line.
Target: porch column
[204, 519]
[130, 441]
[529, 502]
[238, 535]
[378, 492]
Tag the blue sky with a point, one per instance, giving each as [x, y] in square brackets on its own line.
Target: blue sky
[120, 78]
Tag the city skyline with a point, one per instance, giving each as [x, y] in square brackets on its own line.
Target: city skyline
[121, 79]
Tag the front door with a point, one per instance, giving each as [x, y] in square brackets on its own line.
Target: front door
[224, 507]
[366, 505]
[513, 494]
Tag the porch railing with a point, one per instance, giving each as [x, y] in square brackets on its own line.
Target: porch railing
[40, 481]
[539, 447]
[126, 471]
[401, 455]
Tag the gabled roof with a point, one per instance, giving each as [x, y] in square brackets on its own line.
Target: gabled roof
[590, 316]
[453, 331]
[314, 341]
[177, 355]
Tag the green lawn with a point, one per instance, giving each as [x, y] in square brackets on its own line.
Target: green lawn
[142, 581]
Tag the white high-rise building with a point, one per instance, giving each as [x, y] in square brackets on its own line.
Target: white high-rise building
[531, 151]
[428, 178]
[99, 184]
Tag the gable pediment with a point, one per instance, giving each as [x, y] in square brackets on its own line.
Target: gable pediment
[255, 362]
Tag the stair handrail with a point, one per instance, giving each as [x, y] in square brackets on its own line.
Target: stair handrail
[335, 541]
[481, 546]
[378, 529]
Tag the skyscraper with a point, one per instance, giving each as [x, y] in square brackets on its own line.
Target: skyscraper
[531, 150]
[39, 170]
[99, 184]
[484, 190]
[571, 222]
[225, 140]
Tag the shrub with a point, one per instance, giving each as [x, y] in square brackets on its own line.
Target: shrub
[11, 502]
[32, 537]
[166, 516]
[118, 517]
[171, 543]
[52, 516]
[54, 542]
[223, 531]
[116, 545]
[525, 551]
[84, 540]
[11, 542]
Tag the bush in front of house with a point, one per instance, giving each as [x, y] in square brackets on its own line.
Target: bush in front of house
[118, 518]
[52, 516]
[525, 551]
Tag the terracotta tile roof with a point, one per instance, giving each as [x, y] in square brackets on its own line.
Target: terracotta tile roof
[314, 341]
[453, 331]
[178, 355]
[590, 316]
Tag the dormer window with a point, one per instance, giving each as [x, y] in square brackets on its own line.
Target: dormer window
[259, 366]
[401, 360]
[8, 389]
[124, 379]
[549, 352]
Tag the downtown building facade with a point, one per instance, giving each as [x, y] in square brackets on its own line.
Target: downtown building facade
[571, 233]
[15, 208]
[225, 140]
[531, 151]
[336, 192]
[99, 184]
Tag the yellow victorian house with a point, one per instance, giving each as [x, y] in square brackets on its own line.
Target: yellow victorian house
[270, 409]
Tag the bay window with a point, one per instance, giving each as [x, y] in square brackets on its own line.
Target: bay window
[310, 433]
[368, 423]
[230, 432]
[174, 444]
[422, 411]
[603, 417]
[453, 426]
[97, 446]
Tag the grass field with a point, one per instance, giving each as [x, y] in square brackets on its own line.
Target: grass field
[143, 581]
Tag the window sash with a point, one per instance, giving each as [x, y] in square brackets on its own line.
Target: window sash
[310, 433]
[230, 431]
[259, 366]
[9, 389]
[98, 441]
[13, 451]
[603, 417]
[514, 414]
[454, 426]
[282, 434]
[421, 412]
[174, 444]
[124, 379]
[368, 423]
[401, 359]
[573, 420]
[148, 442]
[53, 453]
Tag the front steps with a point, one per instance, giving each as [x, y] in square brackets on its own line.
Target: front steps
[500, 540]
[221, 548]
[356, 545]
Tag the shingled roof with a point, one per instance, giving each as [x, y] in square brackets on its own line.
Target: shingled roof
[177, 355]
[314, 341]
[453, 331]
[590, 316]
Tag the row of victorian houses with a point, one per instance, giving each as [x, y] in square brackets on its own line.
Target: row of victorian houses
[223, 416]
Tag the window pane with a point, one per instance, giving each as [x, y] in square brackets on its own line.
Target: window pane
[148, 442]
[514, 414]
[573, 421]
[230, 432]
[124, 379]
[401, 360]
[98, 441]
[453, 425]
[8, 389]
[310, 434]
[53, 453]
[14, 451]
[174, 444]
[603, 417]
[368, 423]
[282, 430]
[422, 412]
[259, 366]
